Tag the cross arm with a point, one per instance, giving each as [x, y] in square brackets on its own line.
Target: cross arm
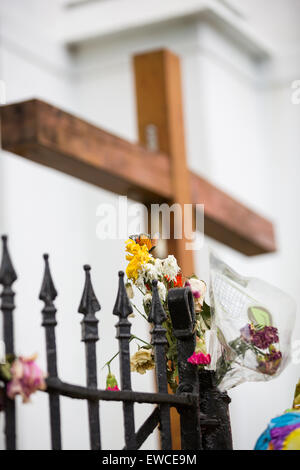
[49, 136]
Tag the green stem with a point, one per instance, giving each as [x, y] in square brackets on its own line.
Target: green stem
[139, 339]
[255, 349]
[144, 316]
[140, 290]
[107, 364]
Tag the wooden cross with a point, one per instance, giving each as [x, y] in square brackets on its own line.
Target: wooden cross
[54, 138]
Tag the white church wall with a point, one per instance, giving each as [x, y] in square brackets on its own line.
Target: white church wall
[43, 210]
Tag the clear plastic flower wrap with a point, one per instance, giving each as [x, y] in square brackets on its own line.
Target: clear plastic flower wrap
[252, 324]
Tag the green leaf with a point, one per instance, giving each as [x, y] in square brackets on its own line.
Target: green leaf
[259, 316]
[239, 346]
[206, 314]
[5, 373]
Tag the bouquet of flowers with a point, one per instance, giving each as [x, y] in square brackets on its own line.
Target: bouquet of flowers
[243, 336]
[142, 269]
[252, 322]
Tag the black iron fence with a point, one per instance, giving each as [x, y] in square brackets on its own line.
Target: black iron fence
[204, 419]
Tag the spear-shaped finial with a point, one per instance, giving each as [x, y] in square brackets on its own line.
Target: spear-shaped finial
[89, 303]
[7, 272]
[157, 313]
[48, 293]
[122, 306]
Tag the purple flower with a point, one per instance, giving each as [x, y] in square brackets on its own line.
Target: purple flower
[265, 337]
[270, 363]
[246, 333]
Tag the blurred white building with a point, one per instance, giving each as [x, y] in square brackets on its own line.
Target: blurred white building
[241, 61]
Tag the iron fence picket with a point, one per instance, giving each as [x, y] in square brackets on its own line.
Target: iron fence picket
[7, 277]
[89, 305]
[48, 294]
[157, 316]
[123, 309]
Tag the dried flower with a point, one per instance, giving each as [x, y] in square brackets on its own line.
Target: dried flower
[261, 337]
[27, 377]
[147, 299]
[199, 359]
[265, 337]
[269, 363]
[142, 361]
[129, 290]
[246, 332]
[198, 289]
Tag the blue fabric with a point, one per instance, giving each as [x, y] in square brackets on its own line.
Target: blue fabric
[287, 419]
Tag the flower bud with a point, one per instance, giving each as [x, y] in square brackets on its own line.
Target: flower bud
[111, 382]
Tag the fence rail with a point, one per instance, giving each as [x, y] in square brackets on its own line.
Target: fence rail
[186, 401]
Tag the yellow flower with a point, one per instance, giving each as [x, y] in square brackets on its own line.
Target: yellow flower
[137, 257]
[142, 361]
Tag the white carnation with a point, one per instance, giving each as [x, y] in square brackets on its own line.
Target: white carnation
[159, 266]
[162, 291]
[140, 282]
[150, 272]
[170, 267]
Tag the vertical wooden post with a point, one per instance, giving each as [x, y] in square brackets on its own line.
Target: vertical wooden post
[161, 128]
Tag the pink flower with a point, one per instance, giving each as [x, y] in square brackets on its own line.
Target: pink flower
[198, 289]
[113, 389]
[199, 359]
[27, 377]
[111, 383]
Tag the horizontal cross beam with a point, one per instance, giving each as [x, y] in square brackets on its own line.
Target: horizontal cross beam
[49, 136]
